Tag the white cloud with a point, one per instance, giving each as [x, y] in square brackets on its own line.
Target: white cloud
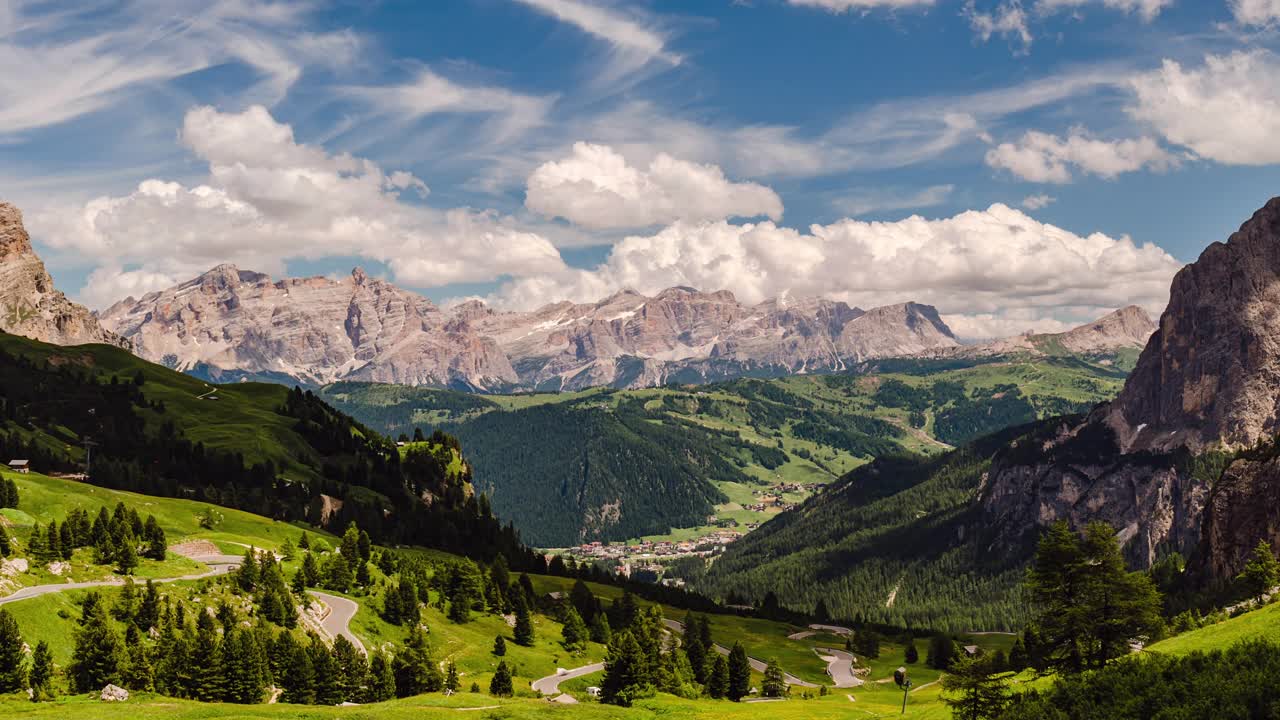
[1226, 110]
[999, 263]
[1008, 20]
[268, 199]
[430, 93]
[61, 63]
[1147, 9]
[840, 6]
[881, 200]
[1041, 157]
[1256, 12]
[596, 188]
[635, 43]
[1038, 202]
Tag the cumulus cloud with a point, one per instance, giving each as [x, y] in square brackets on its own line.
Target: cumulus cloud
[596, 188]
[1146, 9]
[269, 198]
[1226, 110]
[1038, 202]
[994, 264]
[1044, 158]
[1256, 12]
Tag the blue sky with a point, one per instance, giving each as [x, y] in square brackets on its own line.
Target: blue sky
[1018, 164]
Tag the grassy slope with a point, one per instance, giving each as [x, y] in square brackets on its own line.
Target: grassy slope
[1262, 623]
[243, 418]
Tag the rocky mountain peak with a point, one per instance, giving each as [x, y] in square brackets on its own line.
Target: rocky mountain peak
[359, 275]
[29, 303]
[13, 235]
[1210, 375]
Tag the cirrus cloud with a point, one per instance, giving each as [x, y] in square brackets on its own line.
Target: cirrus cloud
[595, 187]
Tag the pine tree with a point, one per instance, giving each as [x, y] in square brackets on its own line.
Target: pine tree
[911, 655]
[208, 676]
[501, 685]
[350, 547]
[126, 557]
[365, 546]
[1262, 572]
[363, 578]
[718, 677]
[98, 654]
[137, 672]
[774, 684]
[5, 547]
[126, 606]
[941, 652]
[41, 678]
[288, 552]
[739, 673]
[304, 542]
[975, 691]
[310, 570]
[66, 541]
[157, 544]
[600, 630]
[12, 661]
[382, 679]
[1018, 656]
[415, 672]
[52, 543]
[524, 624]
[575, 634]
[352, 668]
[337, 574]
[625, 672]
[244, 662]
[695, 650]
[247, 575]
[499, 646]
[451, 683]
[299, 680]
[328, 683]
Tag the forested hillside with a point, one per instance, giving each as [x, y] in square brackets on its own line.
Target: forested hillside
[893, 542]
[608, 464]
[280, 453]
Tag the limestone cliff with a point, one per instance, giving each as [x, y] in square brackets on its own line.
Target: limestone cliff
[29, 303]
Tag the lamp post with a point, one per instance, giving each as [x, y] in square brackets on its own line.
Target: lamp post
[904, 682]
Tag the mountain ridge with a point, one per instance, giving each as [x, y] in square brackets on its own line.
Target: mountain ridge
[361, 328]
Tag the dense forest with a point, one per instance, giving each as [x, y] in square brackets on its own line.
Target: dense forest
[50, 407]
[894, 542]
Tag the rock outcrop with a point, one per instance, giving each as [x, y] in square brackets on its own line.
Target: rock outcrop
[1210, 375]
[1208, 381]
[29, 303]
[358, 328]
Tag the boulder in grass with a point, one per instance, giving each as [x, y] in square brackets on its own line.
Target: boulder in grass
[114, 693]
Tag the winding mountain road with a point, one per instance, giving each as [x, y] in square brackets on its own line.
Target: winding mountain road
[218, 565]
[338, 621]
[550, 685]
[839, 667]
[756, 664]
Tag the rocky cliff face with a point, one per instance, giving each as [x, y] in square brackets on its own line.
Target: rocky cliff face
[365, 329]
[314, 329]
[29, 303]
[1207, 380]
[1210, 375]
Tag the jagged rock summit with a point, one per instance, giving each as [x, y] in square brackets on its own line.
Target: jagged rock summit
[1210, 375]
[29, 303]
[361, 328]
